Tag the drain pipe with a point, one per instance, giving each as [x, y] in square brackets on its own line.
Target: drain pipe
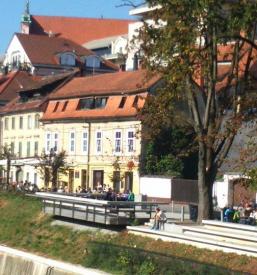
[88, 153]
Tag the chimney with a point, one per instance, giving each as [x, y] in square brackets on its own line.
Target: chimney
[51, 34]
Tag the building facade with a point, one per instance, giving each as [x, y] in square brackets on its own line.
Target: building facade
[21, 129]
[94, 120]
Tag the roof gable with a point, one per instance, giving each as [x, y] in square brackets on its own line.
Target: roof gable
[43, 49]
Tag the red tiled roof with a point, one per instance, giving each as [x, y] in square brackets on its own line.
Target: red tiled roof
[43, 49]
[22, 82]
[111, 109]
[5, 80]
[15, 81]
[80, 30]
[111, 83]
[133, 86]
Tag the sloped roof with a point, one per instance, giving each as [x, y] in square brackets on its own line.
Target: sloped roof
[111, 83]
[43, 49]
[13, 82]
[23, 81]
[80, 30]
[110, 111]
[126, 93]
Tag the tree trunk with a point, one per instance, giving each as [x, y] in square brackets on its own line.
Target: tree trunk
[8, 168]
[54, 179]
[204, 187]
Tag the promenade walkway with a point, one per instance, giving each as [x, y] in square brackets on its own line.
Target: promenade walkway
[214, 235]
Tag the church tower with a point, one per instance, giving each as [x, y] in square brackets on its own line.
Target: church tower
[26, 19]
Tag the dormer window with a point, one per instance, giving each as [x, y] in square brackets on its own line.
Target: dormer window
[56, 106]
[67, 59]
[92, 103]
[92, 61]
[122, 102]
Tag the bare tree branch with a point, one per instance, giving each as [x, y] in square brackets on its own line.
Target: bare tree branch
[129, 3]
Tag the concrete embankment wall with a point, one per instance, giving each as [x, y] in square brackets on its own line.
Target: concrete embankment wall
[15, 262]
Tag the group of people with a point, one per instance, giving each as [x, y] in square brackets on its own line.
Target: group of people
[101, 192]
[244, 214]
[25, 186]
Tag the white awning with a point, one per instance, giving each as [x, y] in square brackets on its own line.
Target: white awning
[21, 162]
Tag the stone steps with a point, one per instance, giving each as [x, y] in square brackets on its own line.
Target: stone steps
[221, 236]
[213, 235]
[232, 227]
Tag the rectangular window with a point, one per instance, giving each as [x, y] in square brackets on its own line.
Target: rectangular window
[92, 103]
[48, 142]
[13, 123]
[131, 141]
[56, 106]
[12, 148]
[28, 148]
[100, 102]
[36, 148]
[117, 142]
[64, 106]
[55, 142]
[84, 141]
[6, 123]
[27, 176]
[72, 142]
[29, 122]
[35, 178]
[21, 122]
[98, 142]
[20, 149]
[122, 102]
[37, 121]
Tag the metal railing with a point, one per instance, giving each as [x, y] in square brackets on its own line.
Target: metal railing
[98, 211]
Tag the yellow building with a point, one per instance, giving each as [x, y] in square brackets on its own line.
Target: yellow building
[94, 119]
[21, 128]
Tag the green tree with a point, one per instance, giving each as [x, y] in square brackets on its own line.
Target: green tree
[7, 154]
[52, 166]
[186, 44]
[169, 152]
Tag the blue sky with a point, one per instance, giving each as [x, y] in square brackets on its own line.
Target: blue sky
[11, 11]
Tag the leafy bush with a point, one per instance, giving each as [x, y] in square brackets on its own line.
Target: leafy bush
[127, 261]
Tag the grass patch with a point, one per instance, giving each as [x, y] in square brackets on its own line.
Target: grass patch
[23, 226]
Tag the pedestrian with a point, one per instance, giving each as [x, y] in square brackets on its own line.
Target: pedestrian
[157, 218]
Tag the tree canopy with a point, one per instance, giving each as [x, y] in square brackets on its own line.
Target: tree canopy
[207, 54]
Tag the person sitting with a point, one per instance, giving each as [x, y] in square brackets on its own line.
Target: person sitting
[157, 218]
[108, 195]
[228, 215]
[131, 196]
[248, 210]
[236, 216]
